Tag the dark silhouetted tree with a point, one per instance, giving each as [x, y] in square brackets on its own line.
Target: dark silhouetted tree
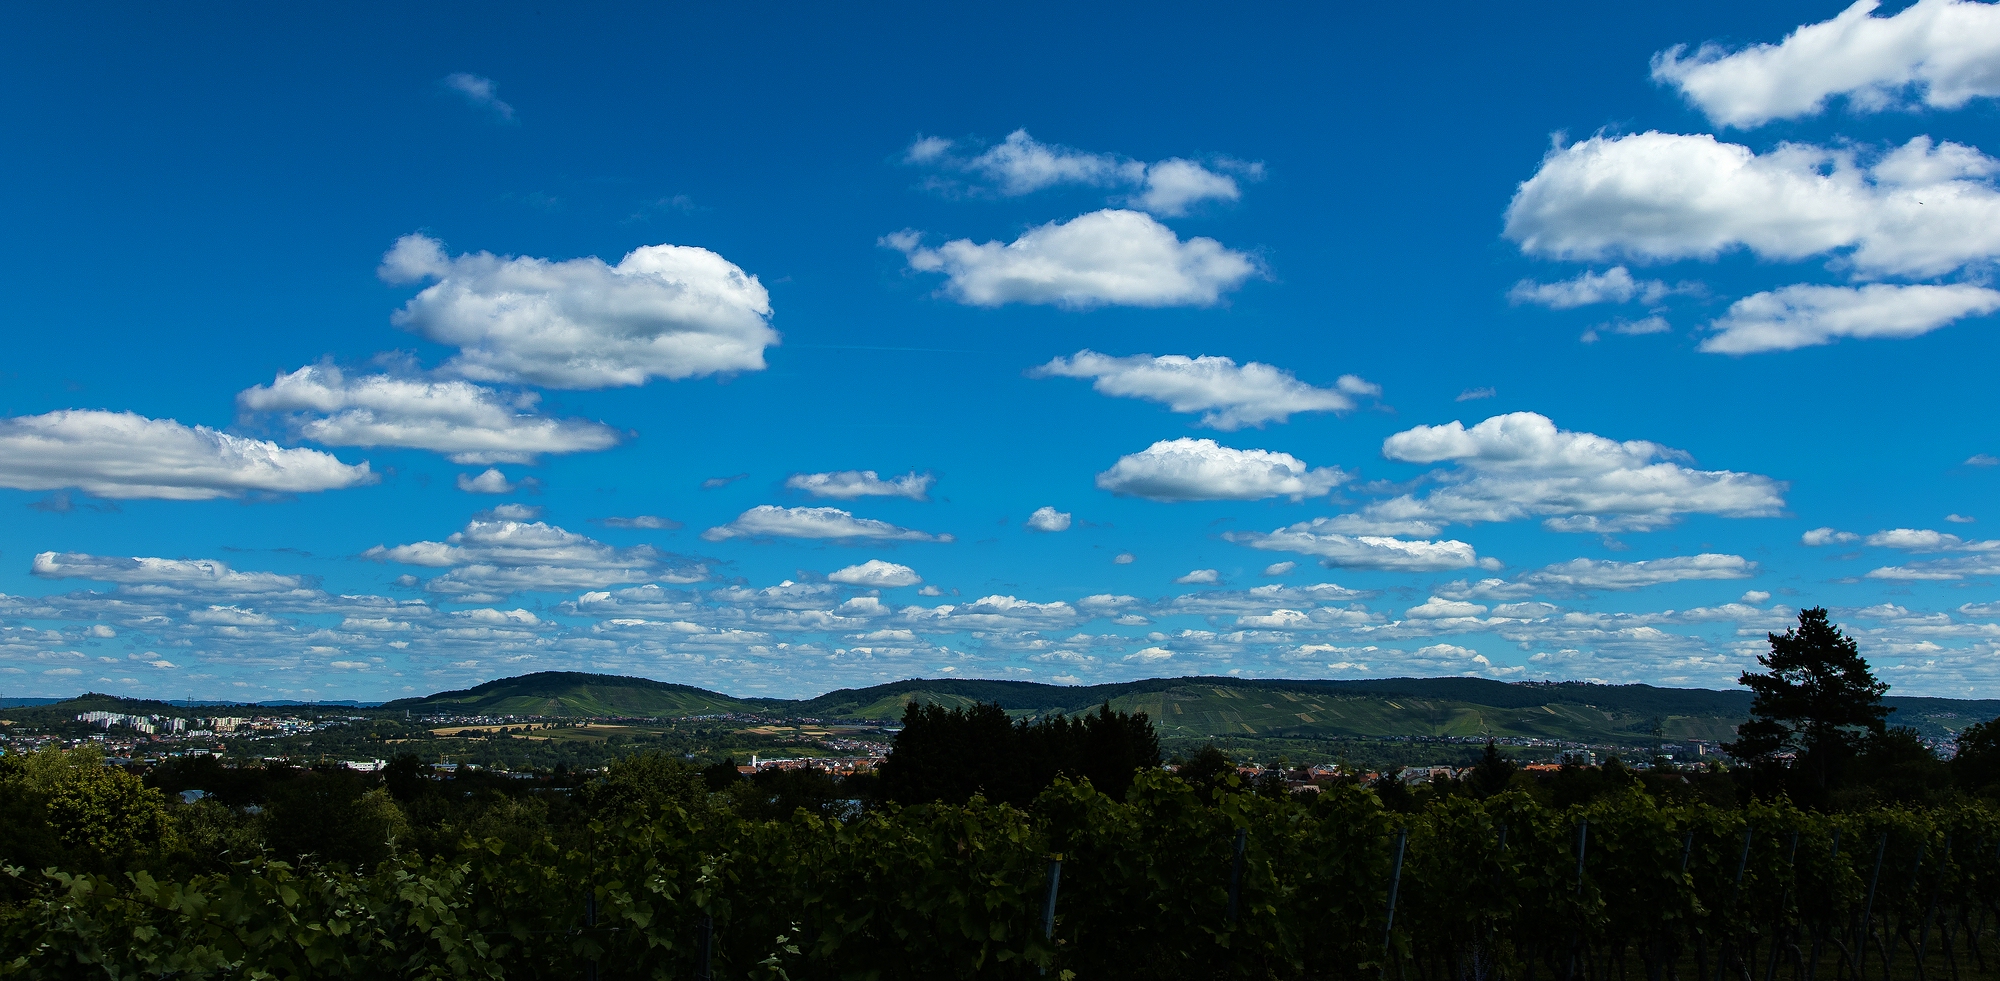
[408, 778]
[1394, 794]
[774, 794]
[1895, 767]
[334, 814]
[1207, 771]
[647, 783]
[1817, 700]
[1114, 747]
[1491, 774]
[950, 755]
[1976, 767]
[722, 774]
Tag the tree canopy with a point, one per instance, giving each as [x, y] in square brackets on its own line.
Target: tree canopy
[1817, 699]
[951, 755]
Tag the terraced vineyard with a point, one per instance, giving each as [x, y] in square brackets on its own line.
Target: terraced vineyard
[1197, 710]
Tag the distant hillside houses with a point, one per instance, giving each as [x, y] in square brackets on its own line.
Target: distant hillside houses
[148, 724]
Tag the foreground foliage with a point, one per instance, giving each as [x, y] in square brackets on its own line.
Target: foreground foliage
[1500, 887]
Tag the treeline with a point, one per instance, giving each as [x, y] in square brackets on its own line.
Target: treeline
[671, 879]
[993, 847]
[951, 755]
[68, 811]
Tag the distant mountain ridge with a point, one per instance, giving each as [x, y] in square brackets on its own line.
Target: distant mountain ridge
[1208, 707]
[1189, 708]
[579, 694]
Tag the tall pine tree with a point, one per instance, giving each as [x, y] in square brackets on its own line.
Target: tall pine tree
[1817, 700]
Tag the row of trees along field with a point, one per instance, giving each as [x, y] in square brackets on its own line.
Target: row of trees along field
[989, 847]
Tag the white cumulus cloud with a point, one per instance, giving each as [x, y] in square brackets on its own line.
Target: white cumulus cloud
[1926, 540]
[1938, 53]
[1803, 316]
[490, 559]
[664, 311]
[1520, 465]
[1021, 164]
[470, 423]
[1594, 574]
[1201, 470]
[848, 485]
[876, 573]
[1614, 285]
[1982, 564]
[772, 521]
[126, 455]
[1437, 608]
[1229, 396]
[1316, 537]
[1174, 184]
[1104, 258]
[171, 577]
[489, 481]
[1921, 209]
[1049, 519]
[1828, 536]
[1200, 577]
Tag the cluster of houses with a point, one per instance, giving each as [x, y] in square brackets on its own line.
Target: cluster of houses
[1312, 779]
[840, 766]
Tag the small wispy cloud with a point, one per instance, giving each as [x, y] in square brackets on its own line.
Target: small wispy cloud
[642, 522]
[481, 92]
[490, 482]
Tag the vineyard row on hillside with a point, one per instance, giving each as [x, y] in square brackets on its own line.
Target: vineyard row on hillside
[1168, 883]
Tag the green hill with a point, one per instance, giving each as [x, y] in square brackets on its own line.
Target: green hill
[575, 694]
[1183, 708]
[1205, 707]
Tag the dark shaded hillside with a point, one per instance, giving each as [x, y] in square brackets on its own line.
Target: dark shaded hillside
[1182, 708]
[1030, 696]
[1466, 707]
[578, 695]
[1201, 707]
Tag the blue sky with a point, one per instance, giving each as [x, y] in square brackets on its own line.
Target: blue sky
[367, 352]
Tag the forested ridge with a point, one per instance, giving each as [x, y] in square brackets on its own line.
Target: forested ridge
[1184, 708]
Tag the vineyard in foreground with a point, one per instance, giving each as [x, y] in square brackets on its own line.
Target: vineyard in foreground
[1167, 883]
